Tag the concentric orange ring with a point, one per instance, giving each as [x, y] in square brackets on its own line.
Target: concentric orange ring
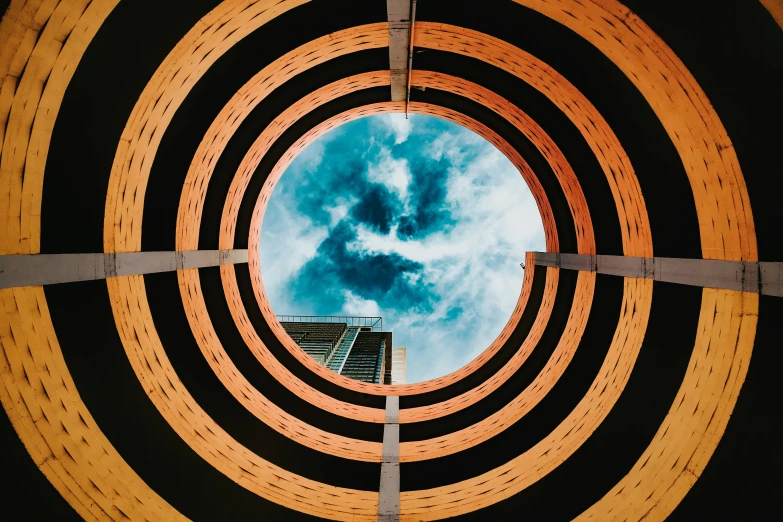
[81, 454]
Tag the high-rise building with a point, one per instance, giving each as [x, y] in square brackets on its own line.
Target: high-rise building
[355, 347]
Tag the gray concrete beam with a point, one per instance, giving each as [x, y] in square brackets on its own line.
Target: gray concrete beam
[49, 269]
[389, 491]
[771, 276]
[399, 15]
[745, 276]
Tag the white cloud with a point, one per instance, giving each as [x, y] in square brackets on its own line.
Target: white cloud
[397, 125]
[497, 220]
[339, 210]
[355, 305]
[288, 241]
[391, 172]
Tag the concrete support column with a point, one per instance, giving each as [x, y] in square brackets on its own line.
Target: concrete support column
[399, 15]
[389, 491]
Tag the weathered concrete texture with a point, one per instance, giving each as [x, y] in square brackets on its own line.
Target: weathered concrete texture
[399, 15]
[745, 276]
[771, 275]
[49, 269]
[389, 492]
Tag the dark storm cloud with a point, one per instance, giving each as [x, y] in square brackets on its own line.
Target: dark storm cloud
[335, 179]
[377, 208]
[342, 176]
[379, 277]
[427, 199]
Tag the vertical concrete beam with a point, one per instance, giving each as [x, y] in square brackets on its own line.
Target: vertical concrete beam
[389, 491]
[399, 15]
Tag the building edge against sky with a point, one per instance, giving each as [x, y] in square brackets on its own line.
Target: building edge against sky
[399, 358]
[356, 347]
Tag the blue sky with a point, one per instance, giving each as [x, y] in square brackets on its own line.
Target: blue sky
[419, 221]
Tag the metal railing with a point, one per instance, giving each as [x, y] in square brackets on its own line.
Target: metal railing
[375, 323]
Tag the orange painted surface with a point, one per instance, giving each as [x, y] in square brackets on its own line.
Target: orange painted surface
[237, 190]
[41, 44]
[710, 161]
[122, 232]
[251, 94]
[35, 68]
[775, 8]
[728, 319]
[43, 404]
[201, 47]
[530, 396]
[574, 194]
[631, 210]
[464, 400]
[36, 389]
[697, 419]
[583, 225]
[258, 283]
[524, 470]
[277, 369]
[164, 389]
[153, 369]
[261, 296]
[255, 402]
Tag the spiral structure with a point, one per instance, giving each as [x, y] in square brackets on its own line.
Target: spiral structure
[145, 376]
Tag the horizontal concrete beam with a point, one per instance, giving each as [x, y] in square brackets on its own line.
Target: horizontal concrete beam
[745, 276]
[49, 269]
[399, 15]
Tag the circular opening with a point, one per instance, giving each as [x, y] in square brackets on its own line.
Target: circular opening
[419, 221]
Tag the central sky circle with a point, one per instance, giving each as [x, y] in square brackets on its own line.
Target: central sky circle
[419, 221]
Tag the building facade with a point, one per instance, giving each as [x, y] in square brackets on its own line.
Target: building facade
[399, 360]
[355, 347]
